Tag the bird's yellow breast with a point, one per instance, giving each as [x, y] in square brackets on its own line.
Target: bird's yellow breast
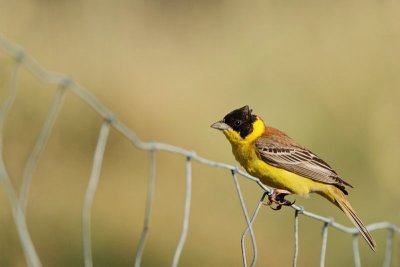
[245, 153]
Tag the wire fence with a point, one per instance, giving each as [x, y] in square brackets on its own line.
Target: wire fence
[18, 201]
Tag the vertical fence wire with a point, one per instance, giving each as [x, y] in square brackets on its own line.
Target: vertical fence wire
[246, 216]
[296, 237]
[149, 203]
[356, 251]
[389, 248]
[186, 213]
[40, 145]
[91, 190]
[323, 247]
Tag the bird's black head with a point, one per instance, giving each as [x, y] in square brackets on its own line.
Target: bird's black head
[240, 120]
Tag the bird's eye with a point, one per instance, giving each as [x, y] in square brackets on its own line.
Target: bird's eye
[237, 123]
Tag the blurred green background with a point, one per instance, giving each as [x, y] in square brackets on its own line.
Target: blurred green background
[326, 73]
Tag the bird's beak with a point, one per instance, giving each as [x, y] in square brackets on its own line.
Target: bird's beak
[220, 125]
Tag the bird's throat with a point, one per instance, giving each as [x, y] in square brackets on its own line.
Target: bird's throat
[236, 140]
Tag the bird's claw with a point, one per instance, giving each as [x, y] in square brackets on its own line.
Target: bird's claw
[278, 197]
[285, 203]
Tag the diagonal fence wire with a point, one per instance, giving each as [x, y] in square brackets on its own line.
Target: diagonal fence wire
[249, 227]
[149, 203]
[18, 204]
[246, 231]
[40, 144]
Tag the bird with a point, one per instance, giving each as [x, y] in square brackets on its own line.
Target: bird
[280, 162]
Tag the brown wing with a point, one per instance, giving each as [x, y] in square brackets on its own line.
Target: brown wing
[279, 150]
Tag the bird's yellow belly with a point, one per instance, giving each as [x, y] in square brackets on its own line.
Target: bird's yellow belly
[273, 176]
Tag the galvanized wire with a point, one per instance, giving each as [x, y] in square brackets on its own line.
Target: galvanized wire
[324, 241]
[389, 248]
[356, 251]
[186, 212]
[149, 204]
[248, 223]
[32, 258]
[296, 237]
[40, 145]
[254, 244]
[91, 191]
[18, 204]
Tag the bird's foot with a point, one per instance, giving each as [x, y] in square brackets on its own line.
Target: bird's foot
[278, 197]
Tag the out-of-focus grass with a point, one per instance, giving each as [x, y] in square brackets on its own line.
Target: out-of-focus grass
[325, 73]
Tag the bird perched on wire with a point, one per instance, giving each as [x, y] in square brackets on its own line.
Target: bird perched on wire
[278, 161]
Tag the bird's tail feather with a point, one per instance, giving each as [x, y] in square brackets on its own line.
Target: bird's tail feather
[340, 200]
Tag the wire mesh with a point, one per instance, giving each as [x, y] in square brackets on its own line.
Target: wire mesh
[18, 204]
